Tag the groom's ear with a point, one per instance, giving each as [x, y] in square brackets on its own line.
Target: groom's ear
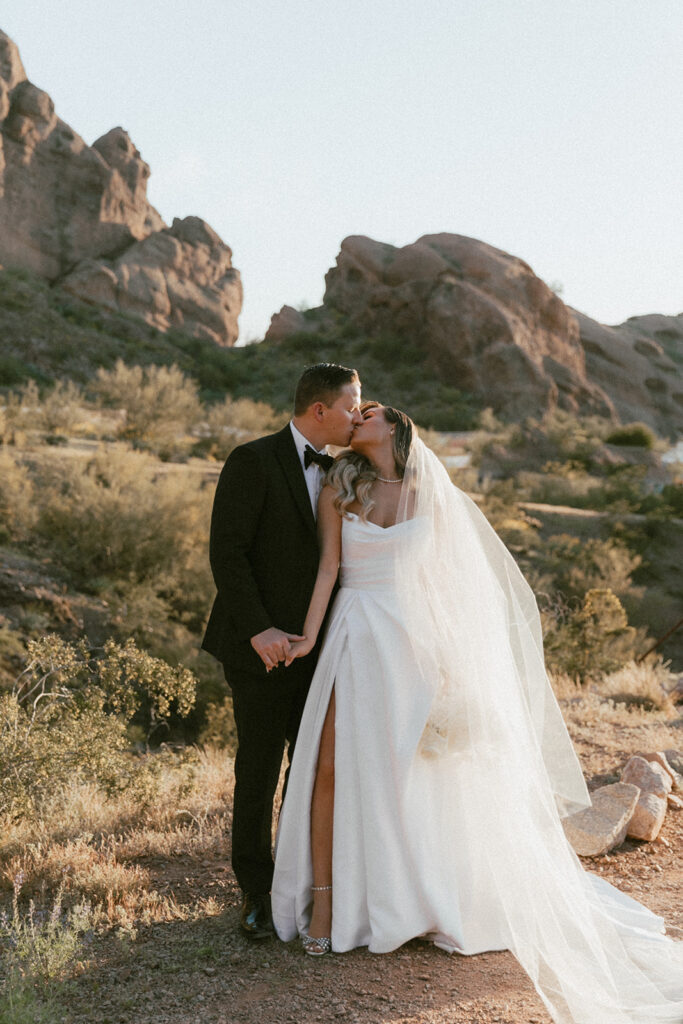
[318, 409]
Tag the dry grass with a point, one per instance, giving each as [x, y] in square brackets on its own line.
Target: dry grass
[637, 692]
[81, 866]
[646, 685]
[107, 849]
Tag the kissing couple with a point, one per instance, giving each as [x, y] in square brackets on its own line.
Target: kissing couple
[371, 621]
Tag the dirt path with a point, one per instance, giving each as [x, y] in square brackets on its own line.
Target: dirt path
[205, 971]
[202, 970]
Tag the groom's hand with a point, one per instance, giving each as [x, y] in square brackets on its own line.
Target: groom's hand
[272, 645]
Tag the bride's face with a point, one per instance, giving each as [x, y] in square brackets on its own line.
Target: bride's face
[372, 432]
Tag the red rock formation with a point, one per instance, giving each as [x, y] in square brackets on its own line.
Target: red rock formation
[490, 326]
[487, 322]
[79, 215]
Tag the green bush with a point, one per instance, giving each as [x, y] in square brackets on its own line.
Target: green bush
[589, 639]
[67, 714]
[636, 435]
[665, 503]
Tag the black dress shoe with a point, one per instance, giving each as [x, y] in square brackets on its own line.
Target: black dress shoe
[255, 917]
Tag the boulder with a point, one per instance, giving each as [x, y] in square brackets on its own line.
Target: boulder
[648, 776]
[601, 827]
[288, 321]
[675, 759]
[654, 783]
[648, 817]
[79, 215]
[659, 757]
[674, 803]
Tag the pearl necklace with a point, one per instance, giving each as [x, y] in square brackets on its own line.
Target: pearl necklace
[386, 480]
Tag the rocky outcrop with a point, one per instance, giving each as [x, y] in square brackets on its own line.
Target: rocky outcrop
[79, 215]
[180, 276]
[486, 321]
[638, 363]
[490, 326]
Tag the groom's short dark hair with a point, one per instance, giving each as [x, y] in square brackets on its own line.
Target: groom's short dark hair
[321, 383]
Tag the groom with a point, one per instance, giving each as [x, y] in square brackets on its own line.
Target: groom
[264, 559]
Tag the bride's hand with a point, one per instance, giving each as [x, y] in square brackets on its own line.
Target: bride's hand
[299, 649]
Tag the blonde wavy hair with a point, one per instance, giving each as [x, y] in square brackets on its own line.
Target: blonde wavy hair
[353, 475]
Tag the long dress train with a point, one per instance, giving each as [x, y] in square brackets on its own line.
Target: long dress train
[466, 848]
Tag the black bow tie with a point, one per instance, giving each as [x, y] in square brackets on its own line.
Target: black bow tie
[311, 455]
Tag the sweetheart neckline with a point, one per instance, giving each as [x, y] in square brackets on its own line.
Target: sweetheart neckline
[369, 522]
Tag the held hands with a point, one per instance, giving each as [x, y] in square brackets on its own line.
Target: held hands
[274, 645]
[299, 649]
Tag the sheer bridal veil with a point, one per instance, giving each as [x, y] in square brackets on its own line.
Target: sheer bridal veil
[594, 954]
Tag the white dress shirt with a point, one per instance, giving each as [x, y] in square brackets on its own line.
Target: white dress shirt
[314, 473]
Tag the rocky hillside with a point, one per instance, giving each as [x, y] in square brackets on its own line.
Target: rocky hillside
[78, 215]
[491, 327]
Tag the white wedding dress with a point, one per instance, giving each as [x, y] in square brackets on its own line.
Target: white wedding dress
[465, 847]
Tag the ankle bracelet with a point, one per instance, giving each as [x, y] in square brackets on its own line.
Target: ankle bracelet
[320, 888]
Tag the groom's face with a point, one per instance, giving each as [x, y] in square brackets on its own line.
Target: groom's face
[340, 418]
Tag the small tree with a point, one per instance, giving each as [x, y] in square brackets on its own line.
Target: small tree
[591, 639]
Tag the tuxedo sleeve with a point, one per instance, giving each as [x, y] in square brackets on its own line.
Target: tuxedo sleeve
[237, 507]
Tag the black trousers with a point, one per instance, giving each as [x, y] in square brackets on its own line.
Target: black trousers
[267, 715]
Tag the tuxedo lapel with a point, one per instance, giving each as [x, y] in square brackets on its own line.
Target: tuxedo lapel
[288, 458]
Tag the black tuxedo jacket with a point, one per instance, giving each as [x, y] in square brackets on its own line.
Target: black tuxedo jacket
[263, 551]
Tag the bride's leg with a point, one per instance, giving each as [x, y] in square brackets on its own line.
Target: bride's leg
[322, 811]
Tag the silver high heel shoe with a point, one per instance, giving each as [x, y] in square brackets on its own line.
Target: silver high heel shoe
[317, 945]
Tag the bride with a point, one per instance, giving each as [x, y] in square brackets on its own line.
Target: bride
[433, 766]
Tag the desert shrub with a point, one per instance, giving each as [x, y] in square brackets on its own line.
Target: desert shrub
[575, 438]
[234, 421]
[500, 505]
[622, 492]
[160, 402]
[665, 503]
[60, 408]
[636, 435]
[40, 950]
[572, 566]
[67, 714]
[17, 503]
[645, 684]
[560, 483]
[590, 638]
[116, 517]
[219, 730]
[560, 438]
[10, 416]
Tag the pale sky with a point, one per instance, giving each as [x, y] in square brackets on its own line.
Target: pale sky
[548, 128]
